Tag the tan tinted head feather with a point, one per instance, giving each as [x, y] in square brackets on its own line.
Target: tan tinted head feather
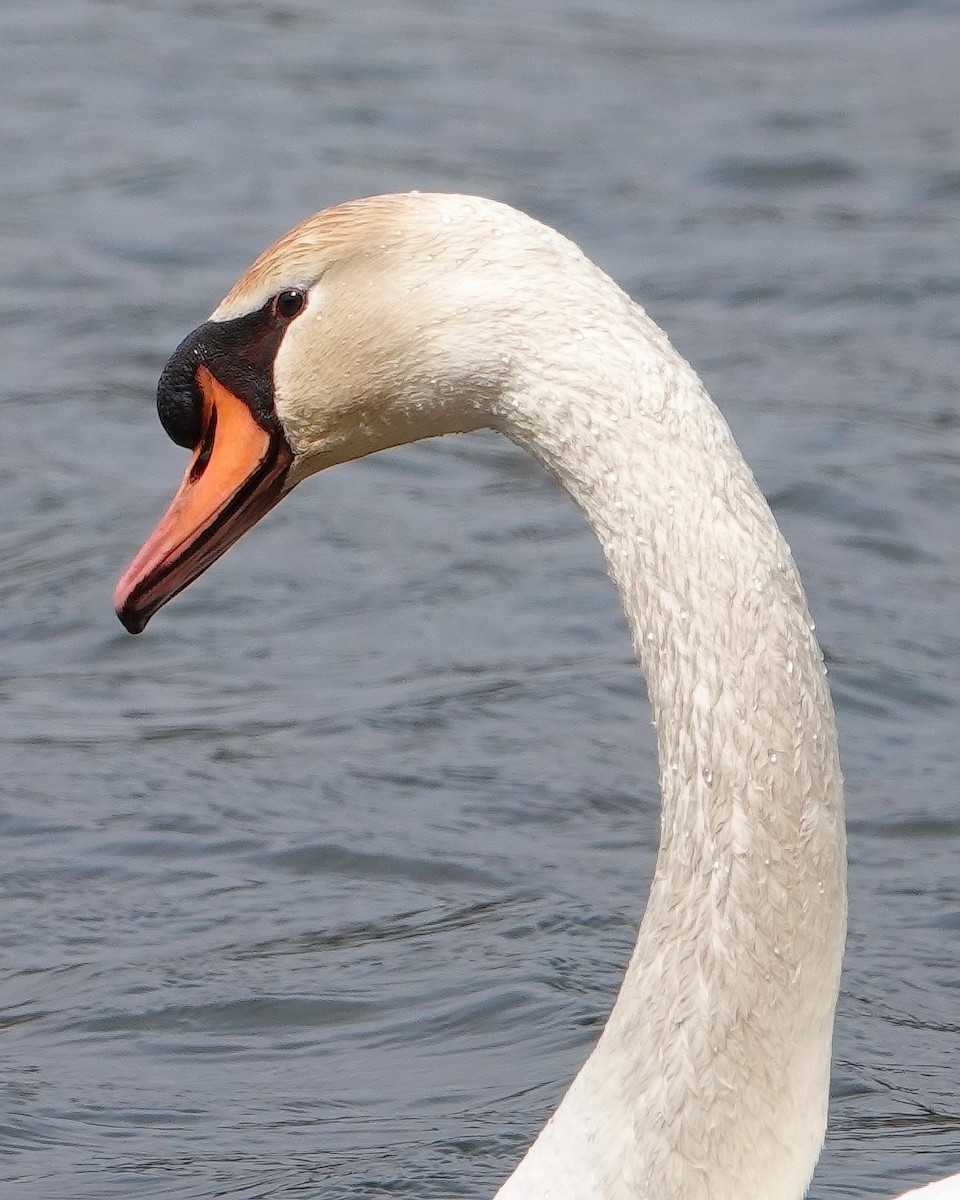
[299, 257]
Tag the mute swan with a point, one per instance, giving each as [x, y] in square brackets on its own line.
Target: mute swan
[402, 317]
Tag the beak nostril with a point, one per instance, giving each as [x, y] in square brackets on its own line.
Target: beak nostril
[205, 449]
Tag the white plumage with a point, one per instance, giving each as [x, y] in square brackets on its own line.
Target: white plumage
[429, 314]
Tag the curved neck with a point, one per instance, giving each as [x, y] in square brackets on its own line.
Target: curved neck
[710, 1079]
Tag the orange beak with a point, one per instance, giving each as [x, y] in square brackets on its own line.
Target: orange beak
[237, 474]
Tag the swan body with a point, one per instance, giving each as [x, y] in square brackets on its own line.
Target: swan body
[401, 317]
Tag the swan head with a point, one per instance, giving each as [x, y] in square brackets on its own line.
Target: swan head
[371, 324]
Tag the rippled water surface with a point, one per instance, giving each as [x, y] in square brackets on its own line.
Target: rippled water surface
[324, 886]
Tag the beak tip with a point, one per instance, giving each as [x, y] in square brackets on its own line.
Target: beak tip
[133, 622]
[133, 619]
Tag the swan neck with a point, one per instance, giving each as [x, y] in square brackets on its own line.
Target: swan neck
[710, 1079]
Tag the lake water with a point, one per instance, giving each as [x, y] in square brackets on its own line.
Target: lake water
[323, 886]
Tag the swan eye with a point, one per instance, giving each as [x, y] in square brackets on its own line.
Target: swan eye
[289, 303]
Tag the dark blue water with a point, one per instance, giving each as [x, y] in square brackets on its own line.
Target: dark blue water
[324, 886]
